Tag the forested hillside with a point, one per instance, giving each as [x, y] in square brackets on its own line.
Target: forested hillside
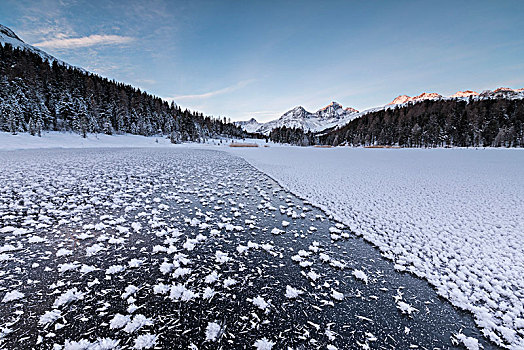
[37, 96]
[496, 122]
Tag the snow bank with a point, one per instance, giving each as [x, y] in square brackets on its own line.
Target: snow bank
[452, 216]
[71, 140]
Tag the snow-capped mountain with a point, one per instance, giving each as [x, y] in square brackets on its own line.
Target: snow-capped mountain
[334, 115]
[250, 126]
[423, 96]
[466, 93]
[299, 117]
[7, 36]
[500, 92]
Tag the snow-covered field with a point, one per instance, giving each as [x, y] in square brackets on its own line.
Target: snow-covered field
[452, 216]
[183, 248]
[72, 140]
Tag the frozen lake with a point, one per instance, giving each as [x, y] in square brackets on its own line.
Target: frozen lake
[451, 216]
[182, 248]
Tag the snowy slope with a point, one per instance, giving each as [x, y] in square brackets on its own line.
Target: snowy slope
[250, 126]
[299, 117]
[55, 139]
[453, 217]
[7, 36]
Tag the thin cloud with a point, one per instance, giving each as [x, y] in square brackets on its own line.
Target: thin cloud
[86, 41]
[209, 94]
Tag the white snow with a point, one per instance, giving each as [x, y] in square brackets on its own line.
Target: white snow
[54, 139]
[452, 216]
[12, 296]
[292, 293]
[50, 317]
[360, 275]
[119, 321]
[68, 297]
[260, 303]
[264, 344]
[136, 323]
[212, 331]
[145, 341]
[469, 342]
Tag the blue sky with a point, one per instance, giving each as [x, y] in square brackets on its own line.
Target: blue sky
[247, 58]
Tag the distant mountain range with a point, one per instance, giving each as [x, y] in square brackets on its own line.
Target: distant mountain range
[331, 115]
[334, 115]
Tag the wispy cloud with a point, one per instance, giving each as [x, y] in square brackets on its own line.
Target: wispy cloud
[91, 40]
[209, 94]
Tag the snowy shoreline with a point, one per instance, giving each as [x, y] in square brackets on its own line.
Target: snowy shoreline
[61, 140]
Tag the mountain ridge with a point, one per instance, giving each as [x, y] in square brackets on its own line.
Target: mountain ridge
[8, 36]
[300, 118]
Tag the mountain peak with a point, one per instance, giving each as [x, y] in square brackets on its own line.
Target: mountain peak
[426, 96]
[298, 108]
[7, 36]
[400, 99]
[466, 93]
[9, 33]
[333, 104]
[336, 108]
[423, 96]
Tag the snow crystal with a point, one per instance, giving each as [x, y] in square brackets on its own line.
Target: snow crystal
[212, 331]
[114, 269]
[208, 293]
[228, 282]
[11, 296]
[263, 344]
[337, 295]
[260, 303]
[405, 308]
[277, 231]
[119, 321]
[145, 341]
[68, 297]
[136, 226]
[469, 342]
[68, 267]
[87, 268]
[49, 317]
[63, 252]
[221, 257]
[360, 275]
[313, 275]
[211, 278]
[161, 288]
[292, 293]
[137, 322]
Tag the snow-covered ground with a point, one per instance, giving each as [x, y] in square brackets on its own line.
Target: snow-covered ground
[54, 139]
[452, 216]
[72, 140]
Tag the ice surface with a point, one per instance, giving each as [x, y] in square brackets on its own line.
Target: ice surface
[452, 216]
[94, 281]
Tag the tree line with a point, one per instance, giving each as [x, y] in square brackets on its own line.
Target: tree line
[36, 96]
[293, 136]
